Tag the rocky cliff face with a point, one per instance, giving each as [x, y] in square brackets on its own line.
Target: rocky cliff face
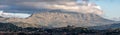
[59, 18]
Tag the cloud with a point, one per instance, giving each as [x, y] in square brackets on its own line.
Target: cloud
[70, 5]
[52, 5]
[33, 3]
[38, 4]
[3, 6]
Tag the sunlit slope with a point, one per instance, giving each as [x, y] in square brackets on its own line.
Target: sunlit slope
[59, 18]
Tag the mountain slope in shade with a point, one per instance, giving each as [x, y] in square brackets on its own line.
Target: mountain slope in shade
[59, 18]
[106, 27]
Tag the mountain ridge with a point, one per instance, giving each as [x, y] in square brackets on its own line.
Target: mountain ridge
[60, 18]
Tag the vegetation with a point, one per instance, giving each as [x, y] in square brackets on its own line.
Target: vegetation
[10, 29]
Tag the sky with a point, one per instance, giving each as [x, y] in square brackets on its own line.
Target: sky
[110, 8]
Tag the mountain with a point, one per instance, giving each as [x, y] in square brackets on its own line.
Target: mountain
[59, 18]
[83, 15]
[115, 18]
[106, 27]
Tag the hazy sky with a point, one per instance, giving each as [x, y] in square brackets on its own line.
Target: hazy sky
[111, 8]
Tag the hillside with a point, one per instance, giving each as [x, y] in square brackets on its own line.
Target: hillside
[10, 29]
[106, 27]
[59, 18]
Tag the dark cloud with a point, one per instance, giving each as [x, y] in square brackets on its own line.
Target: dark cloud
[19, 1]
[70, 5]
[37, 0]
[32, 4]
